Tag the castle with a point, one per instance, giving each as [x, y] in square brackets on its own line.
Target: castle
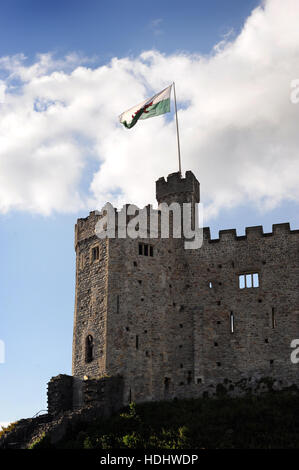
[156, 321]
[172, 322]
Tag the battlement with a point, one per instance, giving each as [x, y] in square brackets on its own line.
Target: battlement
[255, 232]
[85, 227]
[178, 189]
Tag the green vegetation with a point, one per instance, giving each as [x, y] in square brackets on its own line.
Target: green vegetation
[7, 429]
[268, 421]
[43, 442]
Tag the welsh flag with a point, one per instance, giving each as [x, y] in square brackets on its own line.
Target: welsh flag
[158, 104]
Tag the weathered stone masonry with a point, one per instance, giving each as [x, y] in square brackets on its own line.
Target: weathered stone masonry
[164, 322]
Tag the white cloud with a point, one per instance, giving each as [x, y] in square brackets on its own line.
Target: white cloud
[238, 127]
[2, 91]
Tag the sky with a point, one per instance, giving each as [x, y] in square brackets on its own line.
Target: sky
[67, 70]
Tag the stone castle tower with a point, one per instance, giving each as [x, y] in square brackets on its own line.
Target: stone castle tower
[157, 321]
[179, 323]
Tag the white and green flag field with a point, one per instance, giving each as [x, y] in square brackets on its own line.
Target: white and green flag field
[158, 104]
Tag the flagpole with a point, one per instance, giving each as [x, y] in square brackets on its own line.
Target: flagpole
[177, 131]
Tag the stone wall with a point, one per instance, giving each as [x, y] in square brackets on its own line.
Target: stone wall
[266, 318]
[105, 393]
[60, 394]
[90, 300]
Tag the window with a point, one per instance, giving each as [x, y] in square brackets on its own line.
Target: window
[145, 249]
[247, 281]
[166, 383]
[273, 318]
[232, 322]
[89, 348]
[95, 253]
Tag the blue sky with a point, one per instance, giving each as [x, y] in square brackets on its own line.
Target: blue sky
[114, 28]
[69, 158]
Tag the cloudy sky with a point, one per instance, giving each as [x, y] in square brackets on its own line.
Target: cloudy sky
[66, 73]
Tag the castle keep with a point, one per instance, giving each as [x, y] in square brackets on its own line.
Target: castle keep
[171, 322]
[156, 321]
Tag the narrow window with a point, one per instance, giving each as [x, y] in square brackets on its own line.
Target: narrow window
[242, 281]
[189, 378]
[137, 342]
[95, 253]
[232, 322]
[145, 247]
[117, 304]
[166, 383]
[255, 280]
[210, 285]
[140, 248]
[89, 348]
[273, 318]
[151, 251]
[248, 280]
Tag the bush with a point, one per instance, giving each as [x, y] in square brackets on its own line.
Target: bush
[267, 421]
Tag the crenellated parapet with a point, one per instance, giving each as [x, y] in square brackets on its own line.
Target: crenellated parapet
[251, 233]
[176, 188]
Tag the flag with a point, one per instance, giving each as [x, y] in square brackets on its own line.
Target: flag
[158, 104]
